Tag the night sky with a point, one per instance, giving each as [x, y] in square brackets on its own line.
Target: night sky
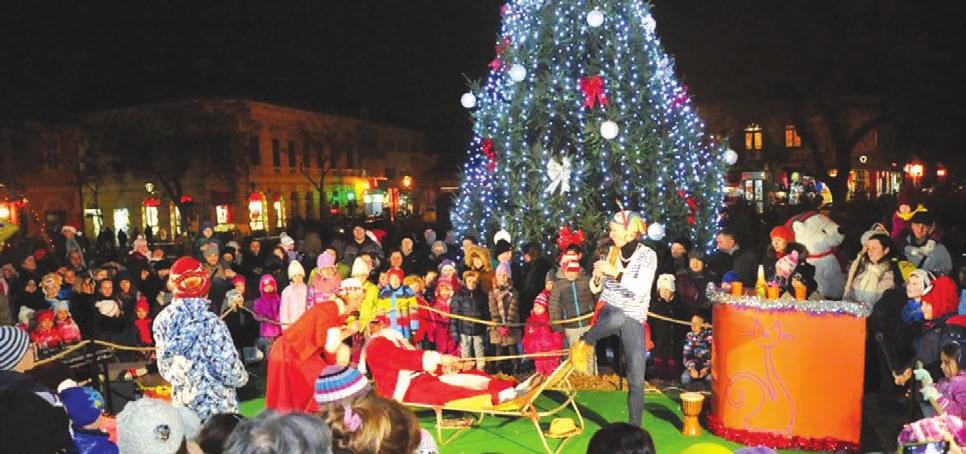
[404, 61]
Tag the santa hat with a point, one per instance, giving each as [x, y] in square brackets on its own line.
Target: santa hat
[14, 343]
[142, 305]
[295, 269]
[45, 316]
[67, 228]
[398, 272]
[151, 426]
[504, 267]
[359, 267]
[665, 281]
[108, 308]
[783, 232]
[84, 405]
[189, 279]
[325, 260]
[339, 384]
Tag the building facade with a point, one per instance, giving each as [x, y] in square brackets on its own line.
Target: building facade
[285, 163]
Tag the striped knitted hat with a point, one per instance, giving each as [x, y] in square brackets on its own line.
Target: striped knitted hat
[13, 346]
[338, 383]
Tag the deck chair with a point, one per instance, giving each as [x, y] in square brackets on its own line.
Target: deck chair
[523, 406]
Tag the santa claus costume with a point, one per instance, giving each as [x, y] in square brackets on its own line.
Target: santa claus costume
[408, 374]
[301, 352]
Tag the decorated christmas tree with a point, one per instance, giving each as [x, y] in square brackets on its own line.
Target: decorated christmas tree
[581, 113]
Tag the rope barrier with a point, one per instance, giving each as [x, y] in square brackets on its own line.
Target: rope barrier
[550, 354]
[495, 324]
[62, 354]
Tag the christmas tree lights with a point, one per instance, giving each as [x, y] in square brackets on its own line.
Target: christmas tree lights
[588, 84]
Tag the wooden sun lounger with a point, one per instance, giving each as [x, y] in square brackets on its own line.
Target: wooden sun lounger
[522, 407]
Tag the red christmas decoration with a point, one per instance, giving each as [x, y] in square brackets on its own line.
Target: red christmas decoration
[682, 97]
[776, 441]
[593, 88]
[692, 204]
[566, 237]
[500, 49]
[487, 149]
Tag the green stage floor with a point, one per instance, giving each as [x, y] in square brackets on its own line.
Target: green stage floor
[506, 435]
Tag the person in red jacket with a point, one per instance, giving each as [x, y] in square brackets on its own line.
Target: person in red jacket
[408, 374]
[306, 347]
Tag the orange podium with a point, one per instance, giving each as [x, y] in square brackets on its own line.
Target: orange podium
[773, 366]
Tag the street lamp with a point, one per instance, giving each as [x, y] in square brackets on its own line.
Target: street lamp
[407, 181]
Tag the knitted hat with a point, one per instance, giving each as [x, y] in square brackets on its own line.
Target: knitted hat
[189, 278]
[729, 277]
[446, 263]
[295, 269]
[925, 277]
[238, 279]
[684, 242]
[142, 305]
[359, 267]
[665, 281]
[696, 253]
[149, 426]
[504, 267]
[786, 265]
[445, 282]
[84, 405]
[922, 217]
[25, 315]
[339, 383]
[501, 247]
[350, 284]
[45, 315]
[209, 249]
[398, 272]
[782, 232]
[286, 241]
[13, 346]
[325, 260]
[61, 305]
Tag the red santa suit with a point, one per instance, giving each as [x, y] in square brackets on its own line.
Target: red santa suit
[299, 355]
[407, 374]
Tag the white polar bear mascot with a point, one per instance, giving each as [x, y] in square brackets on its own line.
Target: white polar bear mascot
[821, 236]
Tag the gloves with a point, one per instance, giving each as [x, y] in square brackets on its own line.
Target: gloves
[923, 376]
[503, 330]
[912, 312]
[929, 393]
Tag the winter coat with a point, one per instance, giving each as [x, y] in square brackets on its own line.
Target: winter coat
[470, 303]
[668, 337]
[69, 331]
[697, 349]
[571, 299]
[929, 255]
[868, 281]
[267, 307]
[771, 257]
[504, 309]
[46, 339]
[539, 337]
[691, 288]
[93, 442]
[532, 281]
[952, 395]
[397, 305]
[294, 304]
[353, 250]
[145, 335]
[196, 355]
[902, 222]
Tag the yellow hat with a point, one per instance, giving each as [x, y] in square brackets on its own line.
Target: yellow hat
[562, 427]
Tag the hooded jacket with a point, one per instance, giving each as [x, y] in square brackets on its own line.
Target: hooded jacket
[196, 355]
[267, 306]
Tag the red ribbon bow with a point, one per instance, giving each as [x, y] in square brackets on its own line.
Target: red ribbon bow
[487, 149]
[593, 88]
[566, 237]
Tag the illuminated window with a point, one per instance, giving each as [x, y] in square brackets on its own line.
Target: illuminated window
[279, 206]
[175, 217]
[753, 137]
[792, 139]
[122, 220]
[223, 214]
[256, 211]
[151, 205]
[94, 214]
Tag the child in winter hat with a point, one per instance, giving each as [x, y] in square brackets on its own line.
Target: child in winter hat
[14, 347]
[85, 408]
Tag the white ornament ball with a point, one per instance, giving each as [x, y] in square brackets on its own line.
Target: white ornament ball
[468, 100]
[650, 25]
[609, 130]
[656, 231]
[730, 157]
[595, 18]
[517, 72]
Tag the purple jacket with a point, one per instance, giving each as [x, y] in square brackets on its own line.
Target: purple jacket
[952, 395]
[266, 306]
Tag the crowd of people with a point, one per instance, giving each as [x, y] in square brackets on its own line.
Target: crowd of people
[311, 312]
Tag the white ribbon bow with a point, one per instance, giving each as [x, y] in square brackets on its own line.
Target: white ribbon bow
[559, 173]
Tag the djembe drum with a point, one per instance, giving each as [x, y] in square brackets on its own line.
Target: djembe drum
[691, 404]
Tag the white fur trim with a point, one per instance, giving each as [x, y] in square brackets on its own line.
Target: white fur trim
[333, 338]
[402, 384]
[431, 361]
